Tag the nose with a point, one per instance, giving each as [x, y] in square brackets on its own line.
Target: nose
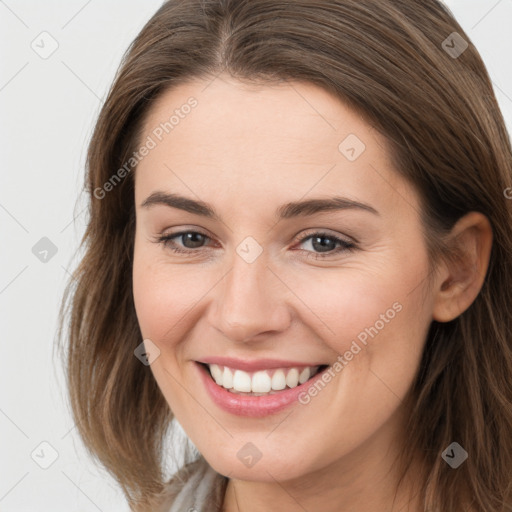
[250, 301]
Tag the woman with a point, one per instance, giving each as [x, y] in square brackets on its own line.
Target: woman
[299, 248]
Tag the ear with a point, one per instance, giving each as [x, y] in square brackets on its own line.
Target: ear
[460, 281]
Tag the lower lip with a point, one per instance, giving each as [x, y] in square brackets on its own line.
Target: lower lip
[254, 406]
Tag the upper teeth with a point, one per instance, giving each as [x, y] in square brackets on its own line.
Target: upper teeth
[261, 381]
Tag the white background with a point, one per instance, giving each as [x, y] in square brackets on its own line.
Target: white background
[47, 110]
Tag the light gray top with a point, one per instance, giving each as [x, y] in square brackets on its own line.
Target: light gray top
[196, 487]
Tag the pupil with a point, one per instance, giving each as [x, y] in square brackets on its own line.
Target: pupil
[322, 247]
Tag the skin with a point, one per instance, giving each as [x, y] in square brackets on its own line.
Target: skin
[246, 150]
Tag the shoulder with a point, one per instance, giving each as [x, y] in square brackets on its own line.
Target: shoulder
[196, 487]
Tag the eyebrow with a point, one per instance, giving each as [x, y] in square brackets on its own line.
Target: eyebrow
[287, 211]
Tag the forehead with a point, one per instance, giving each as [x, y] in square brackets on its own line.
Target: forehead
[262, 141]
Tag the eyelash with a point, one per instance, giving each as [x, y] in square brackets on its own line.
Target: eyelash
[167, 241]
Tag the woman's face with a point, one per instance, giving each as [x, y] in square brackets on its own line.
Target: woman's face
[268, 279]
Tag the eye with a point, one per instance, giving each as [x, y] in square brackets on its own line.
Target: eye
[190, 240]
[326, 244]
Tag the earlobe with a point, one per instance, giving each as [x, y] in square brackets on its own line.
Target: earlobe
[460, 279]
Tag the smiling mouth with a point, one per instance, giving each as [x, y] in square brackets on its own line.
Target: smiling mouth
[262, 382]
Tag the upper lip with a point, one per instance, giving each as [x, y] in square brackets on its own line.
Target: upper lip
[255, 364]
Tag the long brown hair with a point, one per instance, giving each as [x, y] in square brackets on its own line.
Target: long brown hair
[393, 62]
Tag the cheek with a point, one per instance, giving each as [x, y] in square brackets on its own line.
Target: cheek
[167, 297]
[353, 307]
[376, 319]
